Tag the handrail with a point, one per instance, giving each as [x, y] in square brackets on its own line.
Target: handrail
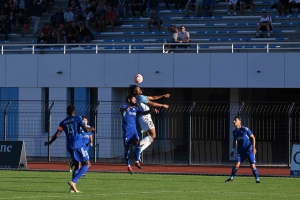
[148, 46]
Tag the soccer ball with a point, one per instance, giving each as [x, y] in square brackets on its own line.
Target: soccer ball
[138, 78]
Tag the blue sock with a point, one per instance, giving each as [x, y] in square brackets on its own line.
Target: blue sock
[81, 171]
[126, 155]
[74, 173]
[255, 173]
[233, 172]
[137, 153]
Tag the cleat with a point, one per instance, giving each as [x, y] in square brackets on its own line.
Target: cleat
[130, 170]
[257, 181]
[138, 165]
[73, 186]
[71, 190]
[229, 180]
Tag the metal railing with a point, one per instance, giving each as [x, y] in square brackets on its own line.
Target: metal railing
[187, 133]
[95, 48]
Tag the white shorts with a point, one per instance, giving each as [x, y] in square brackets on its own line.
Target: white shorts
[146, 122]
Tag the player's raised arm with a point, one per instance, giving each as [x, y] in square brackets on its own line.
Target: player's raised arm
[151, 103]
[88, 129]
[54, 137]
[153, 98]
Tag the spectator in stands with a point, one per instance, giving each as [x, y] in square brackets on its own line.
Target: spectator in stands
[26, 23]
[232, 5]
[76, 2]
[22, 6]
[173, 35]
[111, 18]
[12, 21]
[12, 5]
[62, 33]
[194, 4]
[87, 18]
[45, 34]
[282, 6]
[6, 9]
[294, 4]
[209, 6]
[57, 18]
[94, 6]
[75, 9]
[86, 4]
[265, 24]
[42, 4]
[183, 37]
[73, 32]
[135, 7]
[36, 13]
[245, 5]
[121, 8]
[152, 3]
[85, 35]
[100, 21]
[3, 29]
[68, 17]
[181, 4]
[49, 5]
[155, 19]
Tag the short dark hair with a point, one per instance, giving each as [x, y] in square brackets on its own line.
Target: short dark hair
[70, 110]
[238, 117]
[84, 117]
[132, 89]
[129, 97]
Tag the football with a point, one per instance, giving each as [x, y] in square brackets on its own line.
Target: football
[138, 78]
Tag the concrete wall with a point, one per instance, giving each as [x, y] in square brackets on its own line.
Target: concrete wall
[218, 70]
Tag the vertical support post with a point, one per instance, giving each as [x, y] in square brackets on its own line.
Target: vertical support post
[190, 132]
[289, 132]
[48, 110]
[5, 120]
[95, 133]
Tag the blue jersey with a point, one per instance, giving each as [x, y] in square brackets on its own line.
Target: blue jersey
[242, 136]
[71, 126]
[129, 117]
[86, 138]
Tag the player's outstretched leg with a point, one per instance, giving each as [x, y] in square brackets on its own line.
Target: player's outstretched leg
[137, 157]
[233, 172]
[126, 156]
[145, 142]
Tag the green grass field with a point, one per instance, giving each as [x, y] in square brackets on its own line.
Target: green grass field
[53, 185]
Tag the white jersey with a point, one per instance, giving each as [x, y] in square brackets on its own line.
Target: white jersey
[266, 19]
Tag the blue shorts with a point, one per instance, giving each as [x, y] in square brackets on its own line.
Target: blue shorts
[130, 136]
[242, 155]
[79, 155]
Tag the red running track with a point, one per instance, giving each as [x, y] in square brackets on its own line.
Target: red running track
[172, 169]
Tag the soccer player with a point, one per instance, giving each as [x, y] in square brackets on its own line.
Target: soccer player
[87, 137]
[145, 121]
[244, 139]
[71, 126]
[130, 135]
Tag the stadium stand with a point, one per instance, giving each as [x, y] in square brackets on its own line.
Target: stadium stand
[217, 29]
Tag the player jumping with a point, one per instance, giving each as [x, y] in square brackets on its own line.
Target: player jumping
[145, 121]
[130, 134]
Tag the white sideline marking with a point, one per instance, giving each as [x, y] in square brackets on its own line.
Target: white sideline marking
[133, 193]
